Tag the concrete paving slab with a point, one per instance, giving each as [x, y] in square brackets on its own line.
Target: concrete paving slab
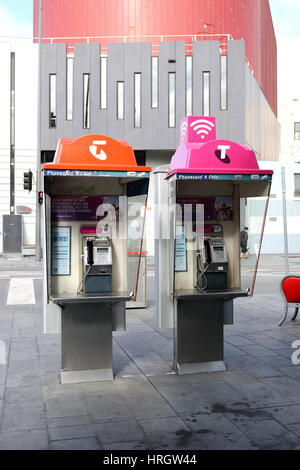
[172, 424]
[261, 394]
[269, 434]
[263, 371]
[75, 444]
[254, 404]
[237, 340]
[218, 433]
[134, 446]
[287, 386]
[23, 417]
[108, 407]
[59, 433]
[62, 406]
[256, 350]
[180, 440]
[3, 373]
[25, 440]
[67, 421]
[275, 361]
[31, 394]
[285, 414]
[25, 379]
[290, 371]
[115, 432]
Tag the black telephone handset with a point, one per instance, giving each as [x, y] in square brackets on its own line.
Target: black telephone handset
[90, 252]
[207, 250]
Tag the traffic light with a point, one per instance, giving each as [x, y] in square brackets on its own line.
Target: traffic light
[41, 197]
[27, 180]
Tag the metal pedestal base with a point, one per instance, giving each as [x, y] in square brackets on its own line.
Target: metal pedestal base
[86, 342]
[78, 376]
[87, 323]
[198, 333]
[197, 367]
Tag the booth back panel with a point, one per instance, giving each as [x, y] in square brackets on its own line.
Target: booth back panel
[68, 283]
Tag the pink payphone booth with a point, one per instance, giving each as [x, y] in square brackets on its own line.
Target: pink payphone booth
[92, 188]
[201, 196]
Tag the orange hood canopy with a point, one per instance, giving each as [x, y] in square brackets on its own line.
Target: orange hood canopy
[94, 152]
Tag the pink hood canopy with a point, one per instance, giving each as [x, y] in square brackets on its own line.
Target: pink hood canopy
[200, 152]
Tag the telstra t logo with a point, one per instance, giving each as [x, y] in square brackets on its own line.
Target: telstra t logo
[221, 153]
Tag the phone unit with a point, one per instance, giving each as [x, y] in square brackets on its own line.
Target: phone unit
[211, 263]
[97, 264]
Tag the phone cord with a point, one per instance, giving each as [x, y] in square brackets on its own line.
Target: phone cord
[81, 282]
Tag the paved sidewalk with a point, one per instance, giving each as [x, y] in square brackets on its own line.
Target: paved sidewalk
[255, 404]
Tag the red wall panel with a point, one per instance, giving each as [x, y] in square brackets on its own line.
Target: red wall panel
[244, 19]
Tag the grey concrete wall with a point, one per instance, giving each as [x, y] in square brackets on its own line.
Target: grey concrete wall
[125, 59]
[262, 130]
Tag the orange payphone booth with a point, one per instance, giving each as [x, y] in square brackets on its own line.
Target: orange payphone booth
[87, 192]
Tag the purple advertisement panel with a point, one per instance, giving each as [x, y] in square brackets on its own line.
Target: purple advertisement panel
[80, 208]
[215, 208]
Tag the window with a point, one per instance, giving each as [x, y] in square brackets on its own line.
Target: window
[206, 93]
[172, 101]
[154, 80]
[86, 100]
[140, 156]
[103, 83]
[297, 184]
[137, 99]
[52, 100]
[223, 68]
[297, 131]
[189, 85]
[120, 100]
[70, 75]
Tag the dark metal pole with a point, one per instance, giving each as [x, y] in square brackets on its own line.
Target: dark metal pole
[38, 249]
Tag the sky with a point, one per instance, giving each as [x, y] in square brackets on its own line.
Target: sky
[286, 20]
[16, 20]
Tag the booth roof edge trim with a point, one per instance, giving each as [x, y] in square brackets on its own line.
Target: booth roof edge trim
[87, 167]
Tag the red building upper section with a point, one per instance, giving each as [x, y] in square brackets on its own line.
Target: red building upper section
[242, 19]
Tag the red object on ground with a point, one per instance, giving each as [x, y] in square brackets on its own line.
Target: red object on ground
[291, 289]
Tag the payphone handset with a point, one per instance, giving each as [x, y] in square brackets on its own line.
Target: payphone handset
[97, 251]
[212, 250]
[216, 249]
[96, 263]
[212, 262]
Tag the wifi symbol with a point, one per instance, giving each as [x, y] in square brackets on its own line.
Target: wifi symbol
[183, 130]
[202, 127]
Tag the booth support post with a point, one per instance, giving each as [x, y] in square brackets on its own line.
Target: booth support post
[198, 336]
[86, 343]
[86, 336]
[163, 304]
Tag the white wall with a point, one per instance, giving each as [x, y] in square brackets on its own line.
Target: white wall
[26, 60]
[289, 113]
[262, 128]
[273, 235]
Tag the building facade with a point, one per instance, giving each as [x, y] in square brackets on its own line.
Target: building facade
[18, 137]
[164, 20]
[135, 74]
[289, 117]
